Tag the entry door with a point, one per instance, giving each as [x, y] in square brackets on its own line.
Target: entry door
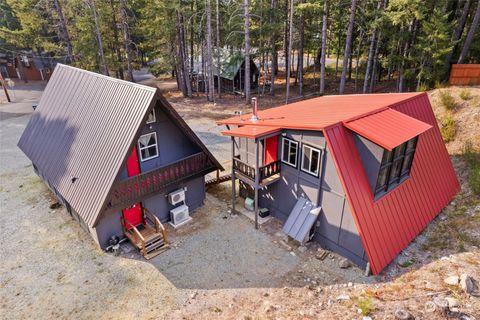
[271, 149]
[133, 214]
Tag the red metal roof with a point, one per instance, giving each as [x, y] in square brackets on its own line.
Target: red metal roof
[322, 112]
[388, 128]
[250, 131]
[388, 225]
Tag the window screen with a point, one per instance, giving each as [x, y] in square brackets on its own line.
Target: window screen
[395, 166]
[289, 152]
[147, 145]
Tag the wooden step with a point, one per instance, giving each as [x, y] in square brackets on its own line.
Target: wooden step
[154, 245]
[156, 252]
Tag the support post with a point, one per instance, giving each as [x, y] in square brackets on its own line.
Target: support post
[257, 180]
[4, 85]
[233, 176]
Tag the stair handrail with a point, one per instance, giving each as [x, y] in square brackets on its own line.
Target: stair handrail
[135, 230]
[154, 219]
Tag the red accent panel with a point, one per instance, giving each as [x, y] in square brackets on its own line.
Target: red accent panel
[134, 213]
[388, 128]
[389, 224]
[271, 149]
[133, 167]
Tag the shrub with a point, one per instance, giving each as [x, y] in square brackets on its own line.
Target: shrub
[366, 305]
[472, 158]
[466, 94]
[422, 87]
[447, 100]
[440, 84]
[448, 128]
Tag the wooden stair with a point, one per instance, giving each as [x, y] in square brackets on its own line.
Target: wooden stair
[150, 237]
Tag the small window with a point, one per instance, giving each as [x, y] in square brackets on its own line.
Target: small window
[147, 145]
[310, 160]
[151, 117]
[289, 152]
[395, 166]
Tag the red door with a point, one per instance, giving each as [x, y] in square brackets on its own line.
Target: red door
[271, 148]
[133, 214]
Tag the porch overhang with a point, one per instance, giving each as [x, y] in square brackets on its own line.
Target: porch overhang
[252, 132]
[387, 128]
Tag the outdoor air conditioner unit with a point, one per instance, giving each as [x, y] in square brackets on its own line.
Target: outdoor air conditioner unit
[176, 197]
[179, 216]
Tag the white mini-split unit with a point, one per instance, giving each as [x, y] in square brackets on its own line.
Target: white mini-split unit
[179, 215]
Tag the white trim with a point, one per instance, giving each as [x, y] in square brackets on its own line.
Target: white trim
[154, 117]
[290, 141]
[140, 148]
[310, 157]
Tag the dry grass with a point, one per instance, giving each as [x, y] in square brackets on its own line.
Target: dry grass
[448, 128]
[465, 94]
[448, 101]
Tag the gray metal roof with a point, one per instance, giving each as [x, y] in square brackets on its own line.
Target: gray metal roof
[81, 132]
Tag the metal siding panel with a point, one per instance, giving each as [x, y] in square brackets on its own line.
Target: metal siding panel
[406, 210]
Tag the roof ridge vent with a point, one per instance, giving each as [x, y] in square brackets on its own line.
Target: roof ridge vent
[254, 117]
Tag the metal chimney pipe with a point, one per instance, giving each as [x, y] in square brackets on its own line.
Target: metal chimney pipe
[254, 110]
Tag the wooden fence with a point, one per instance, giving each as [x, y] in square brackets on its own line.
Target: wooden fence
[465, 74]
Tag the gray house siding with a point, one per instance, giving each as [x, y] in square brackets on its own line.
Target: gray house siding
[336, 229]
[109, 224]
[371, 155]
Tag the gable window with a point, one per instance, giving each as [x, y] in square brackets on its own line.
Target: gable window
[147, 146]
[310, 160]
[395, 166]
[289, 152]
[151, 117]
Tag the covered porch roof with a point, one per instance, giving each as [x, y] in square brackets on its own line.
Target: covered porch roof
[251, 131]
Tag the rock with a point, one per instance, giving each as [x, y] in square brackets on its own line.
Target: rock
[430, 307]
[366, 318]
[285, 245]
[193, 295]
[441, 303]
[404, 261]
[402, 314]
[269, 308]
[302, 249]
[292, 253]
[466, 283]
[452, 280]
[452, 302]
[345, 263]
[350, 284]
[343, 297]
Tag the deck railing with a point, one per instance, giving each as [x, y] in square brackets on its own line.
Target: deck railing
[248, 171]
[135, 188]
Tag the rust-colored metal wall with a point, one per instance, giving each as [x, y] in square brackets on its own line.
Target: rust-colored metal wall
[389, 224]
[465, 74]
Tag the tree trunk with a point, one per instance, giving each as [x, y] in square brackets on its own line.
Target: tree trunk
[300, 53]
[247, 84]
[219, 67]
[126, 39]
[457, 35]
[348, 46]
[273, 43]
[116, 42]
[182, 55]
[211, 85]
[289, 50]
[371, 51]
[375, 61]
[286, 40]
[357, 60]
[401, 75]
[64, 30]
[470, 35]
[91, 4]
[324, 47]
[192, 66]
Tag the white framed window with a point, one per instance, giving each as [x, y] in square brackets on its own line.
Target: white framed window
[151, 117]
[147, 146]
[311, 160]
[289, 152]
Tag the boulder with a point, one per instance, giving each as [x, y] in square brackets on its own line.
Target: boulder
[344, 263]
[466, 283]
[452, 302]
[343, 297]
[452, 280]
